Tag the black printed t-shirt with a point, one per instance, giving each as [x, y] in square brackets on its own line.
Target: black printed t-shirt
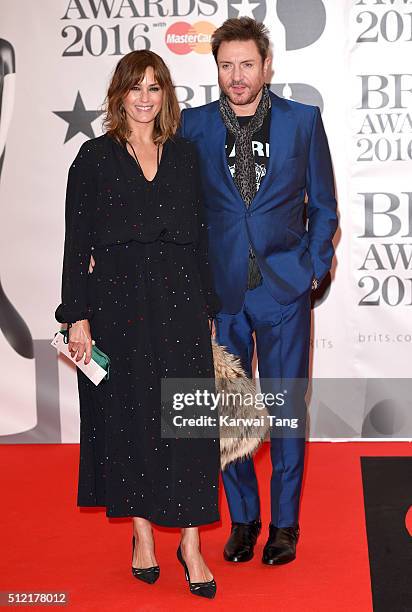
[260, 144]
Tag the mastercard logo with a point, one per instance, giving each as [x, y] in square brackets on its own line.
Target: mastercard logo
[182, 37]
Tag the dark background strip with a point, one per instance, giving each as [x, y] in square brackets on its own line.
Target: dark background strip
[387, 488]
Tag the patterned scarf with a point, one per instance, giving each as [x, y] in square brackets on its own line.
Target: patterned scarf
[245, 173]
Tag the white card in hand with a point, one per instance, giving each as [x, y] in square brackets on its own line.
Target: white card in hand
[92, 369]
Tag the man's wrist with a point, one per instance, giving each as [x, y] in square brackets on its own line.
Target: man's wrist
[315, 283]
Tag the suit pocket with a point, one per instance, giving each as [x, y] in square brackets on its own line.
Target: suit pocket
[293, 171]
[294, 238]
[295, 160]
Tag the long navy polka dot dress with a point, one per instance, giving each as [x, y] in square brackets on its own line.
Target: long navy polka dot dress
[148, 301]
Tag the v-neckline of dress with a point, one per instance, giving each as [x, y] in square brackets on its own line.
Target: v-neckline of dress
[150, 182]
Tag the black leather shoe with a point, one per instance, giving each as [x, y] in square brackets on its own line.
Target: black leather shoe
[241, 542]
[281, 545]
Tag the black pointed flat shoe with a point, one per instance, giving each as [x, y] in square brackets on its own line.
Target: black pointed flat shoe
[146, 574]
[203, 589]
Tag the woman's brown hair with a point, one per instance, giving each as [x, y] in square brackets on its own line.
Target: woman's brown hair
[129, 72]
[243, 28]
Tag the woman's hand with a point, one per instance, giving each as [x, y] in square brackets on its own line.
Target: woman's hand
[80, 340]
[212, 328]
[92, 263]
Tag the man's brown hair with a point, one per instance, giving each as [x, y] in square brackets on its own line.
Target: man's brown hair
[243, 28]
[129, 72]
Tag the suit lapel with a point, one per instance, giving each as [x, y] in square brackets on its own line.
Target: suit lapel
[278, 143]
[215, 138]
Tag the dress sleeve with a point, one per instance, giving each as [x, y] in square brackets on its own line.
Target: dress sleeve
[80, 197]
[213, 303]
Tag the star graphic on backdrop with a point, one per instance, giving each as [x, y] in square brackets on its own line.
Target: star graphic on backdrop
[79, 119]
[245, 8]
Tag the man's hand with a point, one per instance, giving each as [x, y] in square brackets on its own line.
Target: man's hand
[315, 284]
[80, 340]
[92, 263]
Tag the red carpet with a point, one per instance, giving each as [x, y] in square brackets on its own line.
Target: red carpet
[48, 544]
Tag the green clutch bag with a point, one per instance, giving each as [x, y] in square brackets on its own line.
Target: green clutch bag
[98, 356]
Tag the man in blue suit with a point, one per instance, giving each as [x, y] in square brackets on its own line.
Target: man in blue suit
[264, 161]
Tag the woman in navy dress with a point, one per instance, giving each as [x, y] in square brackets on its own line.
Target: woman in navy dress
[133, 202]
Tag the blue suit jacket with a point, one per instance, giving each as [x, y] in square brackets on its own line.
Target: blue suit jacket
[288, 254]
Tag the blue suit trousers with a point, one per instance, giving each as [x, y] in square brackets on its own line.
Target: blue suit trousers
[282, 337]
